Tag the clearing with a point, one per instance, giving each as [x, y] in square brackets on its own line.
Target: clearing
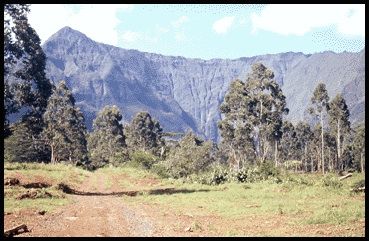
[125, 201]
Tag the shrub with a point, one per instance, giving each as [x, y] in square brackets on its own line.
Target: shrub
[358, 184]
[142, 159]
[219, 176]
[160, 169]
[267, 169]
[331, 181]
[191, 156]
[241, 175]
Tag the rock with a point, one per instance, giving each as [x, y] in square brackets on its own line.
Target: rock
[186, 93]
[11, 181]
[189, 229]
[42, 212]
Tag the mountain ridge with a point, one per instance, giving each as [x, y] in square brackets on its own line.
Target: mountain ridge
[185, 93]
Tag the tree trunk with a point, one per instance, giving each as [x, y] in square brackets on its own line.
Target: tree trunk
[276, 153]
[70, 158]
[312, 165]
[52, 154]
[362, 162]
[338, 141]
[260, 139]
[305, 157]
[321, 123]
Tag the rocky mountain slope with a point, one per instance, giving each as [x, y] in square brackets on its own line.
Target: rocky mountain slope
[184, 93]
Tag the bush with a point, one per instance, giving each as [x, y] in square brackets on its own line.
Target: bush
[358, 184]
[241, 175]
[160, 169]
[143, 159]
[219, 176]
[191, 156]
[331, 181]
[267, 169]
[298, 180]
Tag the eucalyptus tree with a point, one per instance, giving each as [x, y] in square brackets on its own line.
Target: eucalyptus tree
[145, 133]
[253, 113]
[320, 107]
[25, 82]
[304, 135]
[235, 127]
[106, 143]
[65, 130]
[339, 122]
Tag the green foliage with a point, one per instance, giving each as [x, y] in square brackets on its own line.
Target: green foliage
[145, 133]
[21, 146]
[289, 143]
[192, 155]
[65, 130]
[253, 112]
[26, 85]
[160, 169]
[219, 176]
[143, 159]
[319, 108]
[358, 146]
[106, 144]
[331, 181]
[298, 179]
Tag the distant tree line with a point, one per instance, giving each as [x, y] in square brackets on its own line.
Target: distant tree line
[253, 126]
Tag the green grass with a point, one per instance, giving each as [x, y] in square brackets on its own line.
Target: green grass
[47, 204]
[57, 172]
[304, 199]
[311, 203]
[54, 173]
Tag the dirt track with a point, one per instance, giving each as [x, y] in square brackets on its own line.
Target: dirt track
[93, 215]
[98, 211]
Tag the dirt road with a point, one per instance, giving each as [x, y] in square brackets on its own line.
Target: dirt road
[100, 214]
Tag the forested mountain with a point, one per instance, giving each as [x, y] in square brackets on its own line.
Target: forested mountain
[185, 93]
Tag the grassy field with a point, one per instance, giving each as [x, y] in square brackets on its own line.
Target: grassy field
[35, 172]
[300, 203]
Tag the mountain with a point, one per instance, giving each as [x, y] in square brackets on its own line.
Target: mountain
[185, 93]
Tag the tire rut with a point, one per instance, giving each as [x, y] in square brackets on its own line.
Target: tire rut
[95, 215]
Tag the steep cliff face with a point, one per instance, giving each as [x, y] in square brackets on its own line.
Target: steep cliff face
[186, 93]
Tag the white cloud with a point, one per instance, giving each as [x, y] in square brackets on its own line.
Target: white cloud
[98, 22]
[180, 21]
[222, 25]
[130, 36]
[298, 19]
[180, 36]
[243, 21]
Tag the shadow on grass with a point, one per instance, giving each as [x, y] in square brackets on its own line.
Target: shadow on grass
[66, 189]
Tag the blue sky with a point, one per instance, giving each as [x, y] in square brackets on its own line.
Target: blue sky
[211, 31]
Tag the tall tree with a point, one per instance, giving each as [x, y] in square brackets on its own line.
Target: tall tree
[236, 128]
[303, 136]
[26, 85]
[320, 106]
[21, 145]
[339, 121]
[145, 133]
[65, 131]
[267, 105]
[106, 144]
[359, 146]
[289, 142]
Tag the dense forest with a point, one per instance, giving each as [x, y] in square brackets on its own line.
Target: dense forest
[253, 128]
